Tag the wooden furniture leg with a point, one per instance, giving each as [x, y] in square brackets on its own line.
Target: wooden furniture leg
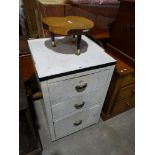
[53, 40]
[78, 44]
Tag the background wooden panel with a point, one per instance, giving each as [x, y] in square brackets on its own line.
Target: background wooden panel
[76, 11]
[52, 10]
[123, 30]
[102, 16]
[46, 11]
[107, 10]
[26, 67]
[30, 12]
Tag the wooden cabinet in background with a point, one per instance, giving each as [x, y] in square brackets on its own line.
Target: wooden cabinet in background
[121, 93]
[26, 65]
[122, 36]
[27, 69]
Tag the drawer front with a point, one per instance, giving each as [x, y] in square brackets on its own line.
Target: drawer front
[123, 105]
[76, 122]
[128, 79]
[62, 90]
[76, 104]
[126, 92]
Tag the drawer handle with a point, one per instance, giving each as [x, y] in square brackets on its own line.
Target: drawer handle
[81, 88]
[79, 106]
[77, 123]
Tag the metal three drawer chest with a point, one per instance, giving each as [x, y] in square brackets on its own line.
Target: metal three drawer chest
[74, 87]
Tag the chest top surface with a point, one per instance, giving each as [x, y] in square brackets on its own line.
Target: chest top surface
[50, 61]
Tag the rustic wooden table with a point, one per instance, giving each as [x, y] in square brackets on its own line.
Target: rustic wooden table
[70, 25]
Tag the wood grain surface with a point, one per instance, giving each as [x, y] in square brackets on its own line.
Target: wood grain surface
[62, 25]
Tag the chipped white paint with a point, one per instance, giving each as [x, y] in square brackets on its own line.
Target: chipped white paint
[63, 109]
[60, 59]
[62, 90]
[66, 126]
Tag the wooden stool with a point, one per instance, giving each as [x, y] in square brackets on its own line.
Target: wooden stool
[70, 25]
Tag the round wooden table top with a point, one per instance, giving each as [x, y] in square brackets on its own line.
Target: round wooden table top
[62, 25]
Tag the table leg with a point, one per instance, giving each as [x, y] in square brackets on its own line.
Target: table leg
[78, 44]
[53, 40]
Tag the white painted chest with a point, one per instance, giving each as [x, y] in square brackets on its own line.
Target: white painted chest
[74, 87]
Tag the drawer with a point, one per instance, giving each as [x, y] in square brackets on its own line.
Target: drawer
[77, 103]
[128, 79]
[62, 90]
[126, 92]
[124, 105]
[76, 122]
